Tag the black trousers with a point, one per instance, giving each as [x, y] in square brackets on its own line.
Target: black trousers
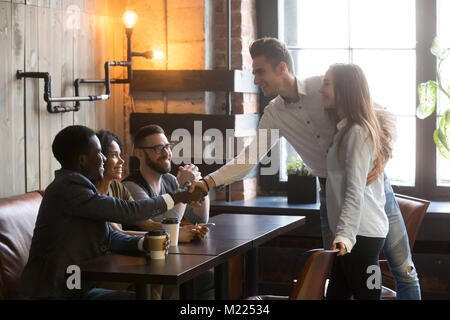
[357, 274]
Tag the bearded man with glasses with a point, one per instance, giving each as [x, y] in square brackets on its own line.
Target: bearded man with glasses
[154, 152]
[153, 178]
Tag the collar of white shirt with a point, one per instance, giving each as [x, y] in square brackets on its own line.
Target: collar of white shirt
[341, 124]
[301, 91]
[301, 87]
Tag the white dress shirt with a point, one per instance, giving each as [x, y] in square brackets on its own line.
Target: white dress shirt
[305, 125]
[352, 207]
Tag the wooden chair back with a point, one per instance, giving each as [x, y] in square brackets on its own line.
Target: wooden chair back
[312, 279]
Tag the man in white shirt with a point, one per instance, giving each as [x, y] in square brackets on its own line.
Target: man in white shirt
[298, 113]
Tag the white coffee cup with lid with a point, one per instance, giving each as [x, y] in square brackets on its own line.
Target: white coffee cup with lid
[172, 226]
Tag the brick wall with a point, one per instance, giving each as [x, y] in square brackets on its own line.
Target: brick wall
[243, 32]
[193, 35]
[176, 28]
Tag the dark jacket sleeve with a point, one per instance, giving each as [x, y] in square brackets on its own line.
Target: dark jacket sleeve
[83, 200]
[122, 243]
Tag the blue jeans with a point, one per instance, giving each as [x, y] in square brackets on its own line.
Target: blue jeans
[396, 246]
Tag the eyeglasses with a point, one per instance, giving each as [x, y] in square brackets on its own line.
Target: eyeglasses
[159, 148]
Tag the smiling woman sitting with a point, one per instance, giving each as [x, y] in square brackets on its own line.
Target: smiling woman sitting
[110, 185]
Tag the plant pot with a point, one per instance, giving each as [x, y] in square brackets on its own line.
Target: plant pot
[302, 189]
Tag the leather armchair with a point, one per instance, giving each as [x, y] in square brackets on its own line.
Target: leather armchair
[17, 220]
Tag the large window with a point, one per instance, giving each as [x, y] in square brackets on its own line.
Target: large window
[443, 28]
[390, 40]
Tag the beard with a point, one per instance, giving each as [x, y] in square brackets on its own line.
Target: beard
[156, 166]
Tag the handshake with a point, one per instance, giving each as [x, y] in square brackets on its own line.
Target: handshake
[183, 194]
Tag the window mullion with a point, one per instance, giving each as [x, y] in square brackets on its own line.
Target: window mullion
[426, 70]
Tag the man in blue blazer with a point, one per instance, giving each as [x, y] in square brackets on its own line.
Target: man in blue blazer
[72, 227]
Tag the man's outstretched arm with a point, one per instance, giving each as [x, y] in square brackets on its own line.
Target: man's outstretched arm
[245, 161]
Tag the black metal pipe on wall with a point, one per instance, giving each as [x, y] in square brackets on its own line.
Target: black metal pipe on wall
[77, 99]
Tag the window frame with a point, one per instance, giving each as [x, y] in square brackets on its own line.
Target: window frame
[426, 152]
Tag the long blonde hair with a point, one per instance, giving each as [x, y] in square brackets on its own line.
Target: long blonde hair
[352, 96]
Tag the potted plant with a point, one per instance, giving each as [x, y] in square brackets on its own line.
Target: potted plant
[302, 185]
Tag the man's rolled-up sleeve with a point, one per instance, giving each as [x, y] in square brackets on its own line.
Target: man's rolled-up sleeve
[245, 161]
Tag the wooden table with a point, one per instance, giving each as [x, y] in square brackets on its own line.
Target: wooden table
[233, 234]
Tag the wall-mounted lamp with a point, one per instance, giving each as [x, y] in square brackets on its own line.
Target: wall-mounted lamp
[129, 19]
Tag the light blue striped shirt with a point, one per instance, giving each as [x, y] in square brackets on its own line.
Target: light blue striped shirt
[352, 207]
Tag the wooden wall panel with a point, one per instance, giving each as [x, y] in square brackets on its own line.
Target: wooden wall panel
[68, 26]
[44, 3]
[49, 123]
[16, 105]
[5, 96]
[91, 107]
[85, 68]
[99, 43]
[31, 100]
[81, 65]
[109, 55]
[55, 4]
[119, 43]
[50, 36]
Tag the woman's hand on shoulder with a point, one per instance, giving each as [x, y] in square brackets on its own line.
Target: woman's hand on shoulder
[341, 247]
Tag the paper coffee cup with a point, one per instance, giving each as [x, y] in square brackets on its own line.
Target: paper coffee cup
[155, 242]
[172, 226]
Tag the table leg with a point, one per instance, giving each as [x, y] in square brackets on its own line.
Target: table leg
[251, 273]
[187, 290]
[221, 282]
[143, 291]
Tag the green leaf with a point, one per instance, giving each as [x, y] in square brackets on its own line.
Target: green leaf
[444, 55]
[439, 140]
[437, 50]
[445, 126]
[435, 47]
[442, 135]
[427, 99]
[297, 167]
